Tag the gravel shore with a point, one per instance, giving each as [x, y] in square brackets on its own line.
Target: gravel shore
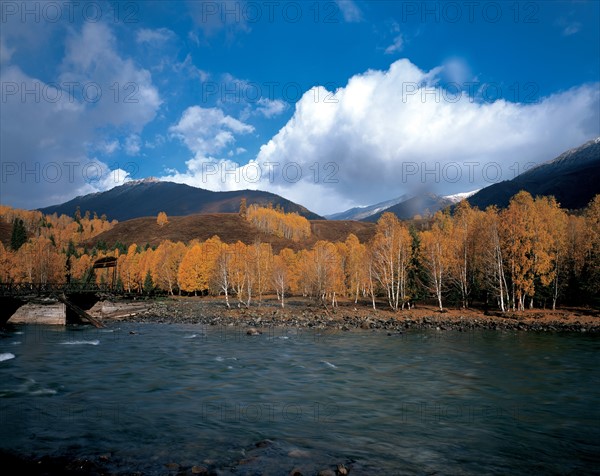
[303, 313]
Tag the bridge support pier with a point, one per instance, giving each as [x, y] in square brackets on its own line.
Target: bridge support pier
[54, 314]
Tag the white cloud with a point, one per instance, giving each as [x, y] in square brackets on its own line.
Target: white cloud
[396, 46]
[157, 36]
[128, 96]
[571, 29]
[222, 15]
[270, 108]
[350, 11]
[207, 130]
[380, 138]
[375, 135]
[109, 147]
[457, 70]
[192, 70]
[51, 134]
[133, 144]
[5, 52]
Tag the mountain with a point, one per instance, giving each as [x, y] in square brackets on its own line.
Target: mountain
[148, 197]
[459, 197]
[573, 178]
[360, 213]
[419, 205]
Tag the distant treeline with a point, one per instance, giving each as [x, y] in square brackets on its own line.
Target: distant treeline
[531, 254]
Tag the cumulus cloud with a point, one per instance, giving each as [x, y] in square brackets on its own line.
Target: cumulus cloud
[270, 108]
[381, 136]
[207, 130]
[378, 131]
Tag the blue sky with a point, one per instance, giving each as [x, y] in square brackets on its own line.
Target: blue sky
[332, 104]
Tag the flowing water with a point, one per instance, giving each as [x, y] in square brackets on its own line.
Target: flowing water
[423, 402]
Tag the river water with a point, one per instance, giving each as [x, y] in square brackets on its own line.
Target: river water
[423, 402]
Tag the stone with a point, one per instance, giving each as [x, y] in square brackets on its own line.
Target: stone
[253, 331]
[326, 472]
[342, 470]
[199, 470]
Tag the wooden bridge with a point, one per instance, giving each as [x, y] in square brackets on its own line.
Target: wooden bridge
[77, 297]
[50, 289]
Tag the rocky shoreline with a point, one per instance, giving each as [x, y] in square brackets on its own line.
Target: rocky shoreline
[310, 315]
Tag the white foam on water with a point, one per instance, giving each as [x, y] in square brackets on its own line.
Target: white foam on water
[17, 342]
[219, 359]
[43, 391]
[193, 336]
[6, 356]
[18, 333]
[329, 364]
[81, 342]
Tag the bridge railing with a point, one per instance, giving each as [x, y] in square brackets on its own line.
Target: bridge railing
[41, 289]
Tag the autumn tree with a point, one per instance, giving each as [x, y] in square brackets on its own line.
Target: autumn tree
[222, 272]
[390, 254]
[493, 265]
[592, 220]
[518, 236]
[356, 271]
[260, 260]
[5, 264]
[191, 274]
[198, 265]
[464, 251]
[436, 254]
[274, 221]
[162, 219]
[284, 274]
[165, 266]
[238, 269]
[550, 245]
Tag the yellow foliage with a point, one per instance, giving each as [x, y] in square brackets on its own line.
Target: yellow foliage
[285, 225]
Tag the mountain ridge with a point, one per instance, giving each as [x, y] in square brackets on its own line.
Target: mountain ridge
[573, 178]
[148, 197]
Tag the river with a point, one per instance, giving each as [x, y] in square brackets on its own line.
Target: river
[422, 402]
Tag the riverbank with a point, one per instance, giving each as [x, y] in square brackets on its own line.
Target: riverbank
[304, 313]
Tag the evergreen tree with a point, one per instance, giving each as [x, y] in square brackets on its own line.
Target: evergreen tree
[19, 234]
[148, 283]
